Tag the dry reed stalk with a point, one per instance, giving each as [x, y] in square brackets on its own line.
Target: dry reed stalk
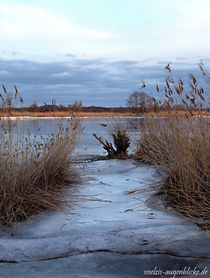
[180, 146]
[118, 132]
[34, 170]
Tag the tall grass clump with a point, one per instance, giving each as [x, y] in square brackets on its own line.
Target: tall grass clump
[8, 99]
[180, 146]
[120, 136]
[34, 170]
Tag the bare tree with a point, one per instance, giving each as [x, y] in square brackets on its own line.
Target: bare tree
[139, 102]
[54, 105]
[77, 106]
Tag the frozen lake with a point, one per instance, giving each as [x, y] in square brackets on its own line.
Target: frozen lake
[87, 145]
[109, 229]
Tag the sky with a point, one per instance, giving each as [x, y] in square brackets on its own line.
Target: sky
[99, 51]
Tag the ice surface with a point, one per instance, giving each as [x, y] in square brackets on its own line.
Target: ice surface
[106, 225]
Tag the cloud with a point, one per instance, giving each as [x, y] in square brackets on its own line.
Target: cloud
[176, 28]
[70, 55]
[37, 30]
[94, 81]
[23, 21]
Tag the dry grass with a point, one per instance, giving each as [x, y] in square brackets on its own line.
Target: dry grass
[180, 146]
[118, 133]
[34, 170]
[96, 114]
[176, 113]
[64, 114]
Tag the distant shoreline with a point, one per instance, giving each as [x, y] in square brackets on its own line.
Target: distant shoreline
[58, 114]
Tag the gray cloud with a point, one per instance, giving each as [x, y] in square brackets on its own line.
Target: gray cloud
[94, 81]
[70, 55]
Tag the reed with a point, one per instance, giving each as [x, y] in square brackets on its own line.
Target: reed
[179, 145]
[120, 136]
[35, 170]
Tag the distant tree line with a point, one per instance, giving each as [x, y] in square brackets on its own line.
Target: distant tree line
[75, 107]
[138, 103]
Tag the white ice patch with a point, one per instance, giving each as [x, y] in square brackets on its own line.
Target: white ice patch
[105, 216]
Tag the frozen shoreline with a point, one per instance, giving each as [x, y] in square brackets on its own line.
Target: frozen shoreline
[70, 117]
[84, 117]
[106, 222]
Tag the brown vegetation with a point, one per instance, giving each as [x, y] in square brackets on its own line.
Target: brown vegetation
[121, 141]
[180, 146]
[65, 114]
[100, 114]
[34, 170]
